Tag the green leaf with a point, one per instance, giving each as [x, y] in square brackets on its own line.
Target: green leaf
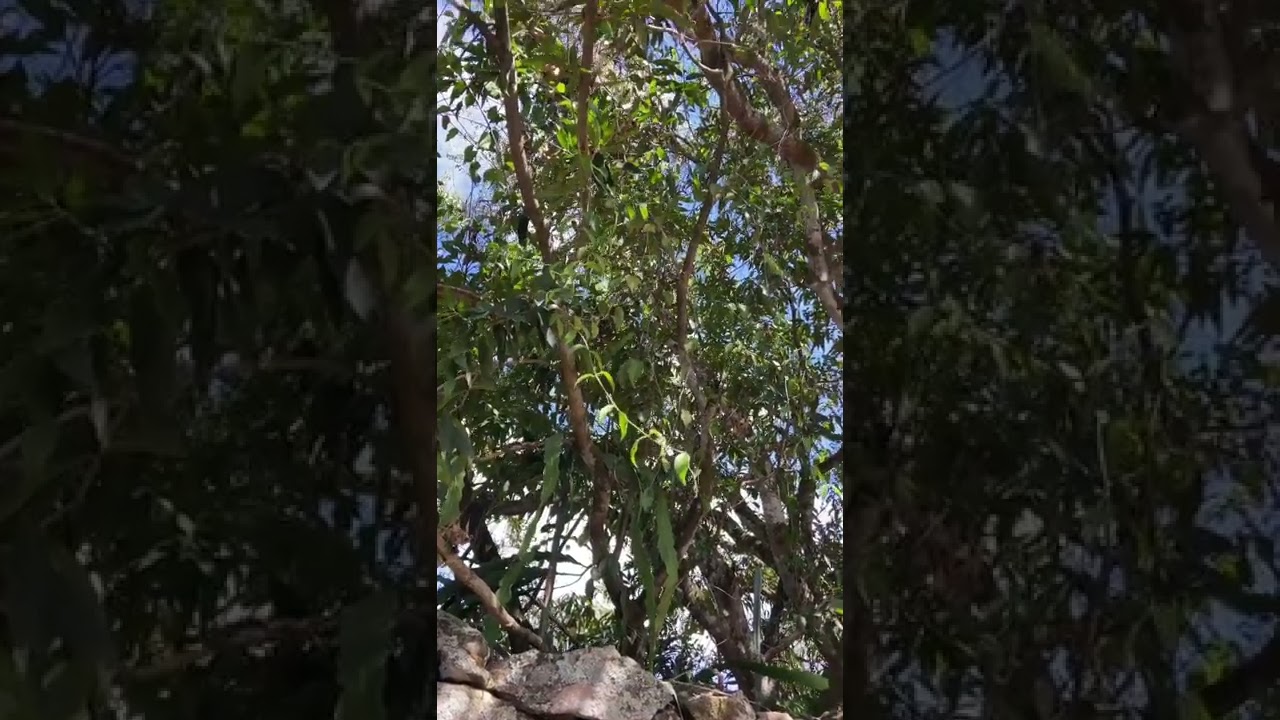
[17, 701]
[670, 562]
[921, 320]
[249, 75]
[1072, 374]
[644, 568]
[358, 290]
[788, 675]
[1191, 707]
[682, 466]
[197, 280]
[419, 289]
[1165, 618]
[50, 600]
[389, 248]
[1061, 67]
[364, 643]
[550, 479]
[454, 438]
[37, 444]
[452, 476]
[605, 412]
[418, 76]
[75, 360]
[65, 323]
[152, 352]
[551, 450]
[920, 42]
[632, 370]
[772, 267]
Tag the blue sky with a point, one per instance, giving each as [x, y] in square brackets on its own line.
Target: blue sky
[448, 152]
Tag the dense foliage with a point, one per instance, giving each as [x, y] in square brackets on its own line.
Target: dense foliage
[1061, 469]
[215, 219]
[1045, 487]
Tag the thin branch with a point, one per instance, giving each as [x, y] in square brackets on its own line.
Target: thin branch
[460, 293]
[717, 65]
[13, 444]
[1200, 55]
[687, 529]
[17, 134]
[586, 79]
[498, 39]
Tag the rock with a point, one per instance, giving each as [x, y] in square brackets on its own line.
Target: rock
[462, 701]
[710, 704]
[588, 684]
[463, 652]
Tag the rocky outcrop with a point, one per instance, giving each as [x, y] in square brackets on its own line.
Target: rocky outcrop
[590, 684]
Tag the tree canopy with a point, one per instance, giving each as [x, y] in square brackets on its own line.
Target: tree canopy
[639, 314]
[911, 357]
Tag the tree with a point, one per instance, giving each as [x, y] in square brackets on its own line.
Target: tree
[664, 342]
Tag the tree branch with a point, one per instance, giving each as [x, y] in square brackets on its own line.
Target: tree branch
[586, 79]
[413, 360]
[499, 41]
[785, 139]
[16, 134]
[488, 599]
[471, 297]
[1218, 131]
[687, 529]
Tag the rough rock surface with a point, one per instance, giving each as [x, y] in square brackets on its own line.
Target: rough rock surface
[588, 684]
